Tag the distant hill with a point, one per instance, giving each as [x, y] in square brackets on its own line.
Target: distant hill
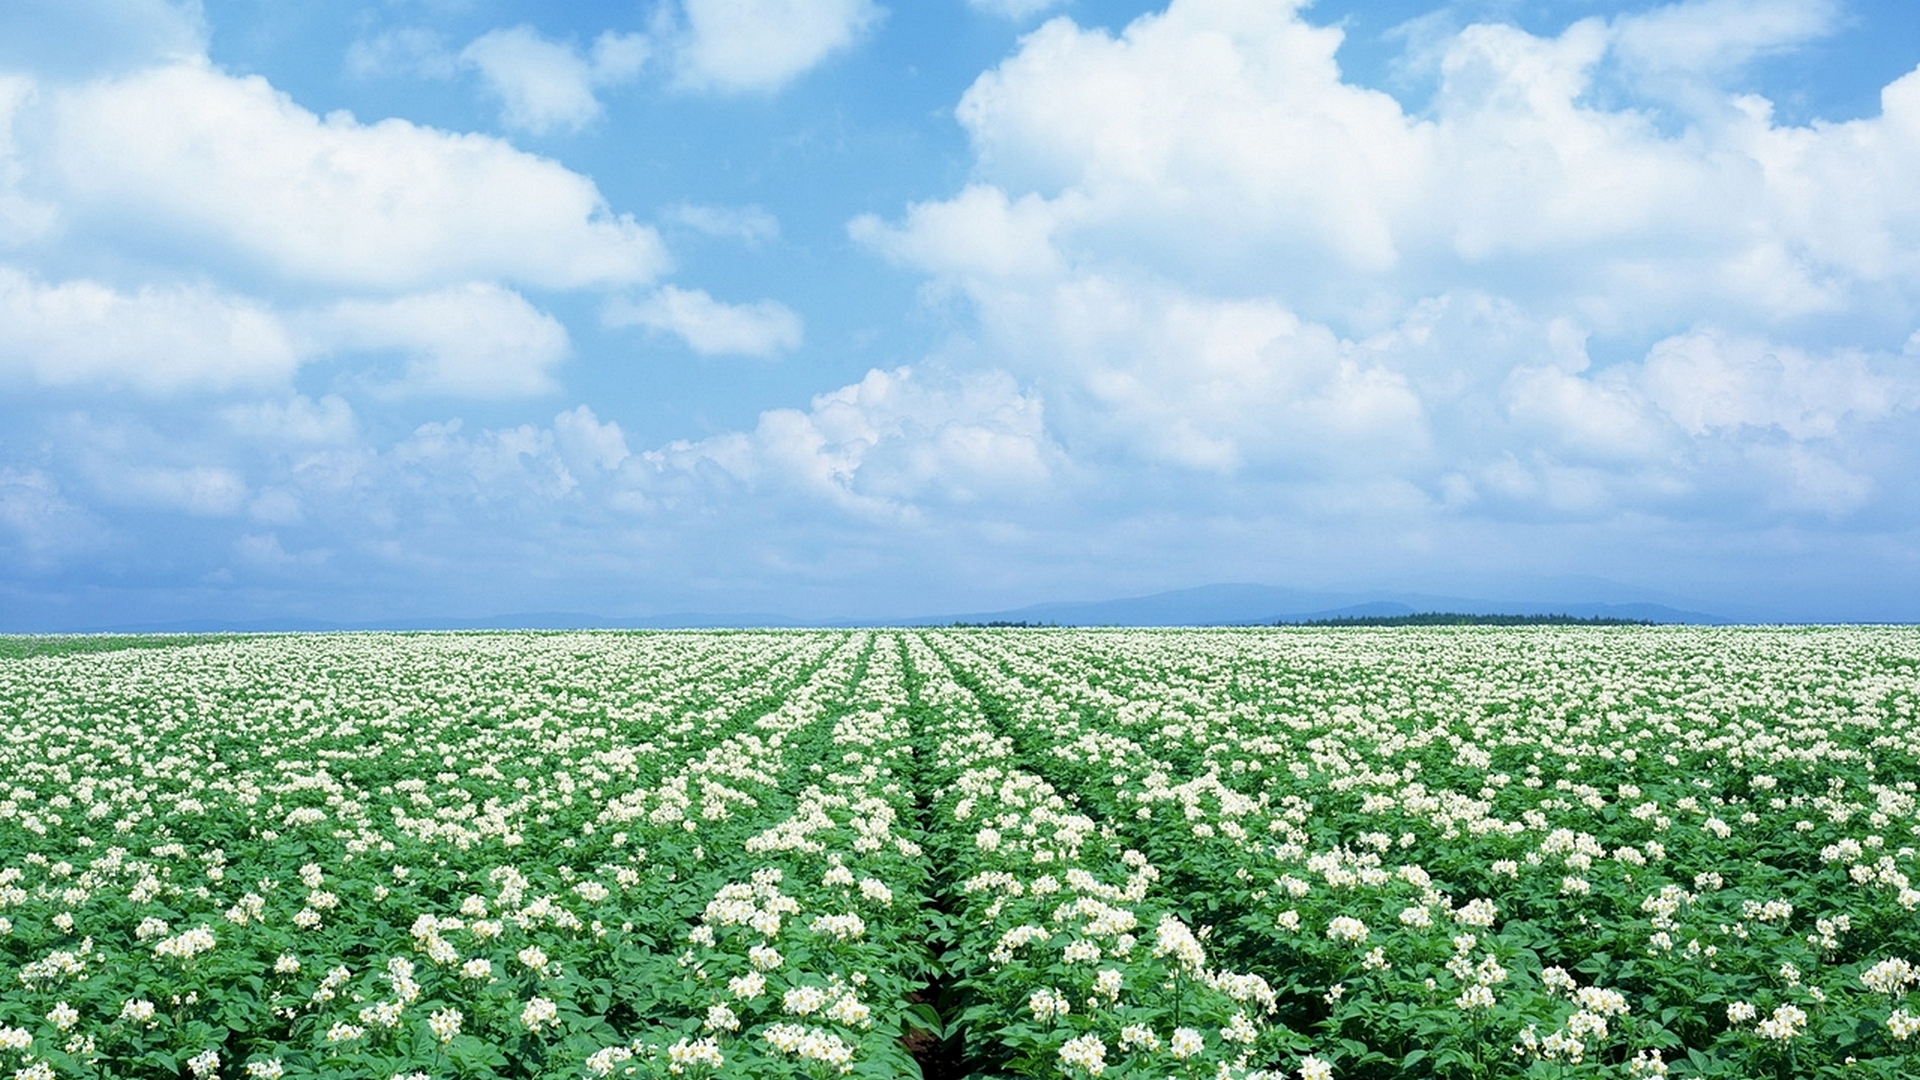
[1250, 605]
[1450, 618]
[1205, 605]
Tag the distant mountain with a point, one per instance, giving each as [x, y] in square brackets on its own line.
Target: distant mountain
[1248, 605]
[1206, 605]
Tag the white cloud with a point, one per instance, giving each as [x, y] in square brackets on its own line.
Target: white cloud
[1708, 381]
[751, 225]
[511, 464]
[764, 328]
[587, 443]
[46, 529]
[205, 159]
[472, 340]
[1013, 9]
[887, 445]
[1214, 384]
[1810, 479]
[1215, 253]
[978, 233]
[1216, 143]
[265, 550]
[1590, 420]
[1715, 36]
[200, 490]
[746, 45]
[155, 340]
[297, 420]
[23, 218]
[546, 85]
[406, 50]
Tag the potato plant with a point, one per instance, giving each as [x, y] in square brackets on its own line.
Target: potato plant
[1448, 852]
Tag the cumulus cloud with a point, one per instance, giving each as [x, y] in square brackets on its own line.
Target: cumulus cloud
[734, 46]
[1710, 381]
[545, 85]
[587, 442]
[23, 218]
[1713, 37]
[154, 340]
[978, 233]
[886, 445]
[1216, 253]
[198, 157]
[1217, 143]
[200, 490]
[765, 328]
[472, 340]
[298, 420]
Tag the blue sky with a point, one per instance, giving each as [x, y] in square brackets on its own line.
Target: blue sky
[854, 308]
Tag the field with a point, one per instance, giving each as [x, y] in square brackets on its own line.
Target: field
[1027, 853]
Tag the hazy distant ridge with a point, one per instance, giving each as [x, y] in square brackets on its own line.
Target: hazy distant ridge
[1206, 605]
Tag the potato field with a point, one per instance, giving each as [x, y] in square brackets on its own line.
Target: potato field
[1204, 854]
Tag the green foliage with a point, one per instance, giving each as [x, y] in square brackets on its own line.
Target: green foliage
[1061, 853]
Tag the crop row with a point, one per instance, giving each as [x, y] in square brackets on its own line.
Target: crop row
[1193, 854]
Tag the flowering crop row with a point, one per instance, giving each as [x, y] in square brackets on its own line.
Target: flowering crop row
[1047, 853]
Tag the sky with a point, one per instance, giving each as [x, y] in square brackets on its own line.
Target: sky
[355, 311]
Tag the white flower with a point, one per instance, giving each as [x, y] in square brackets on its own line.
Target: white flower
[270, 1069]
[694, 1052]
[1086, 1052]
[1312, 1068]
[1239, 1030]
[188, 945]
[1346, 928]
[721, 1018]
[1048, 1003]
[539, 1013]
[804, 1000]
[747, 987]
[842, 927]
[204, 1064]
[1479, 913]
[445, 1024]
[1787, 1022]
[1889, 976]
[1477, 996]
[1186, 1042]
